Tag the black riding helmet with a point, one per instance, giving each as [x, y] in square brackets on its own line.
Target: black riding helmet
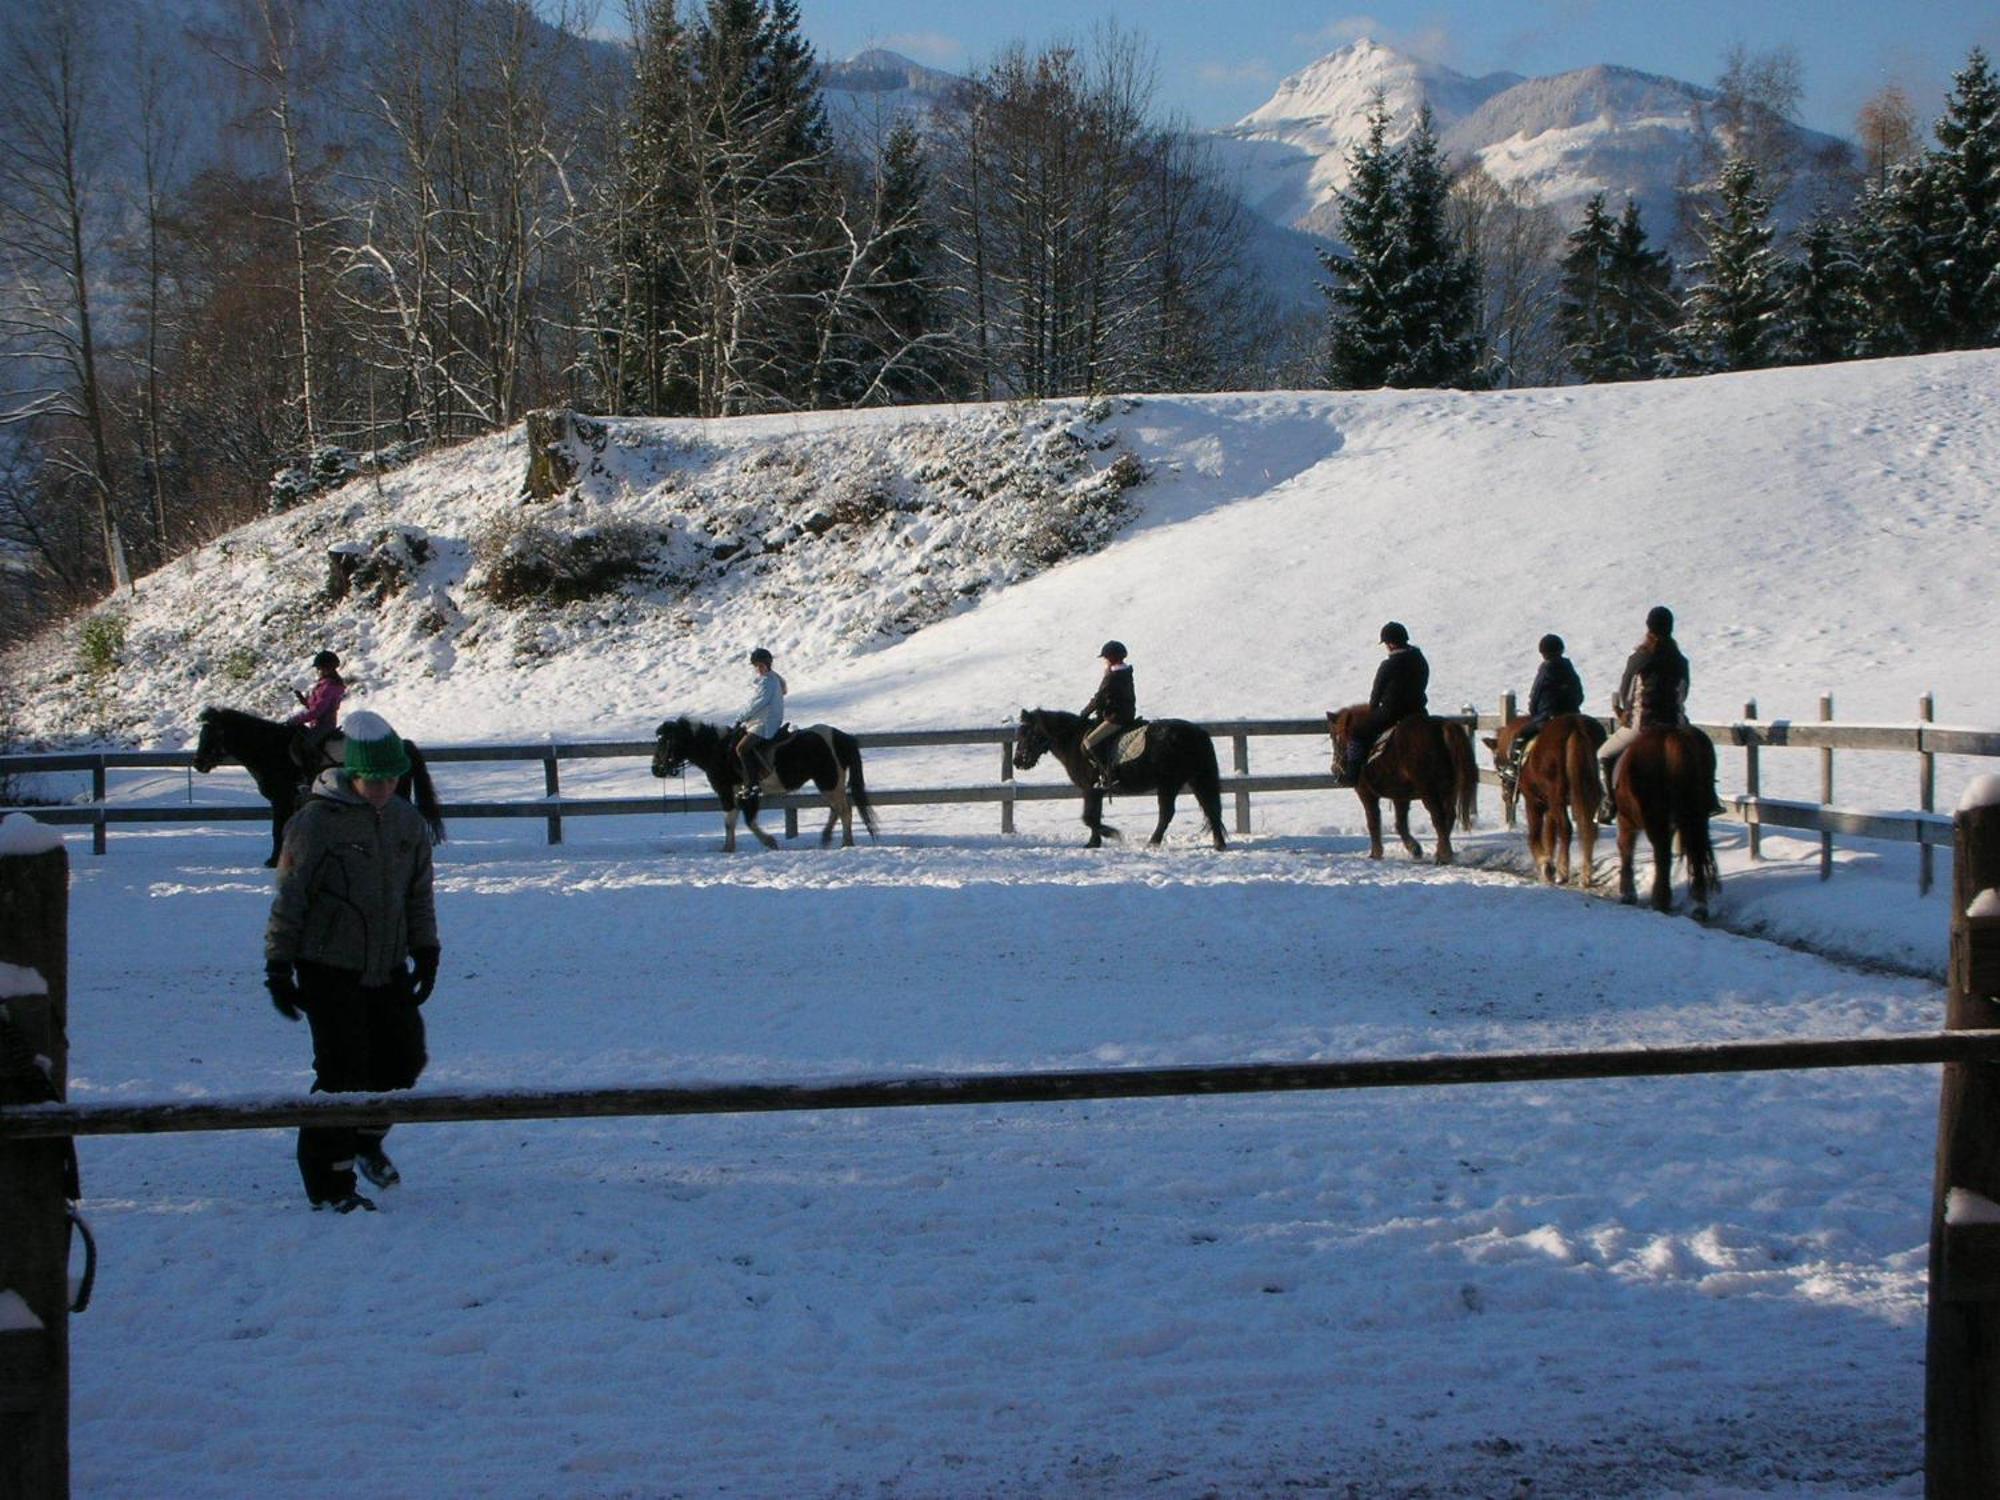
[760, 658]
[1113, 651]
[1393, 634]
[326, 660]
[1551, 646]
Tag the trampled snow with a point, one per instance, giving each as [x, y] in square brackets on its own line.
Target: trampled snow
[1573, 1289]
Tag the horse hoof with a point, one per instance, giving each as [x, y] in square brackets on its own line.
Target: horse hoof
[1628, 900]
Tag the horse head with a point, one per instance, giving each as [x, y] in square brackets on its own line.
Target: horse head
[1033, 742]
[673, 743]
[208, 748]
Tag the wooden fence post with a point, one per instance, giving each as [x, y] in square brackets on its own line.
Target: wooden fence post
[552, 789]
[1926, 791]
[1750, 781]
[1962, 1348]
[1007, 785]
[1241, 743]
[99, 789]
[1507, 712]
[34, 1248]
[1826, 789]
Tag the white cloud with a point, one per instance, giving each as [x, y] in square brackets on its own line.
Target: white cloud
[1432, 41]
[1224, 75]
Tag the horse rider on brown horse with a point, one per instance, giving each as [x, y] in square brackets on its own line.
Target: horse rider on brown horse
[1399, 691]
[1652, 694]
[1115, 705]
[1557, 690]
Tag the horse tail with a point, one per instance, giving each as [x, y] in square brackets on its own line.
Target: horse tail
[1206, 778]
[1693, 775]
[1464, 772]
[425, 794]
[1586, 786]
[849, 750]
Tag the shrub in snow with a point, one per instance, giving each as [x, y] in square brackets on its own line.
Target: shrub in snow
[102, 643]
[522, 560]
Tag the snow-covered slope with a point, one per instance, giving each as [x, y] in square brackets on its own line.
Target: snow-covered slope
[1821, 528]
[1600, 129]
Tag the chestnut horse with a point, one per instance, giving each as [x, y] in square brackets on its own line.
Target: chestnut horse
[1560, 787]
[1665, 785]
[1420, 759]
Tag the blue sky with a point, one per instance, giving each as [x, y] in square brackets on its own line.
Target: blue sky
[1219, 59]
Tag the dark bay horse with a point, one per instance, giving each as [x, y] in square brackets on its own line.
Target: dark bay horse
[1560, 788]
[1666, 783]
[1177, 754]
[1420, 759]
[827, 757]
[274, 755]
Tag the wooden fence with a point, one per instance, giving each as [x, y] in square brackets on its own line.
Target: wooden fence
[1962, 1377]
[1923, 739]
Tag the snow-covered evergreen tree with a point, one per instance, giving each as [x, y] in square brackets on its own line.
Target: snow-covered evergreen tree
[1892, 231]
[1365, 330]
[1966, 175]
[1824, 311]
[1733, 313]
[1582, 314]
[1640, 293]
[1406, 295]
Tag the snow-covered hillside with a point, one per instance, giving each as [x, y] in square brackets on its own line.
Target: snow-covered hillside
[1562, 138]
[1817, 529]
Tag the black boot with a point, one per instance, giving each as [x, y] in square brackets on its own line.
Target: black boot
[1607, 807]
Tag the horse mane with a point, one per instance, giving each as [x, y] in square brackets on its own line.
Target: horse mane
[216, 713]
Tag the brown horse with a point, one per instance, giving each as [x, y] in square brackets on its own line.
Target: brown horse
[1560, 788]
[1665, 784]
[1420, 759]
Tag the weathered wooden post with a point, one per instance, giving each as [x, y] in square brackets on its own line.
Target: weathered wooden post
[1750, 781]
[1962, 1355]
[552, 789]
[1007, 785]
[100, 788]
[1926, 789]
[1507, 713]
[34, 1175]
[1826, 789]
[1241, 744]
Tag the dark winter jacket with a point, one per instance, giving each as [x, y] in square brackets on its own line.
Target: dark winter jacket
[1557, 690]
[354, 885]
[1399, 689]
[1116, 700]
[1654, 686]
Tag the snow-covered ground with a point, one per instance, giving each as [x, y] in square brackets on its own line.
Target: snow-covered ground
[1699, 1286]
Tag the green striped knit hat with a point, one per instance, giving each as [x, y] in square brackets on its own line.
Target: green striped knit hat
[374, 750]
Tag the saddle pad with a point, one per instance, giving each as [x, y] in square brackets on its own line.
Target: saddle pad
[1130, 745]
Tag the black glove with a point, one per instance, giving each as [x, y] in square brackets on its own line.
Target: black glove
[284, 990]
[425, 979]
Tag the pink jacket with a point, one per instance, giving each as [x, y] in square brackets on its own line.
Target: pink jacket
[322, 703]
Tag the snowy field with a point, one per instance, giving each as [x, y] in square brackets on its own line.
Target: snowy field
[1600, 1288]
[1676, 1287]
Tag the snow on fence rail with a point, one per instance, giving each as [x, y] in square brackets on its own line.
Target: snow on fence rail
[1923, 738]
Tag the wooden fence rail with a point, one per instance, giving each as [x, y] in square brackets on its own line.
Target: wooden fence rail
[1922, 738]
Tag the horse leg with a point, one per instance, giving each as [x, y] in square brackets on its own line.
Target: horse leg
[1166, 814]
[750, 822]
[729, 829]
[1660, 834]
[1093, 817]
[1372, 808]
[1628, 840]
[1538, 832]
[1403, 829]
[1559, 838]
[841, 808]
[278, 815]
[1584, 816]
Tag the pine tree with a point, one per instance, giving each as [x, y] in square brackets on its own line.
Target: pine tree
[1364, 346]
[1640, 293]
[1406, 296]
[1824, 314]
[895, 351]
[1437, 294]
[1966, 173]
[1583, 315]
[1892, 232]
[1732, 318]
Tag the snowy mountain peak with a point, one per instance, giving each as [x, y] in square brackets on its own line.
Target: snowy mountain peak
[1340, 88]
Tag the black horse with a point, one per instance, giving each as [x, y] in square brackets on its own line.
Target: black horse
[278, 760]
[1177, 754]
[827, 757]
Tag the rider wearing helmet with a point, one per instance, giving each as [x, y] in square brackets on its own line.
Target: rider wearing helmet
[1399, 691]
[1115, 705]
[761, 719]
[1651, 695]
[1557, 690]
[319, 710]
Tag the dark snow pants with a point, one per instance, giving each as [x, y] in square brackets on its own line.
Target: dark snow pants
[365, 1041]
